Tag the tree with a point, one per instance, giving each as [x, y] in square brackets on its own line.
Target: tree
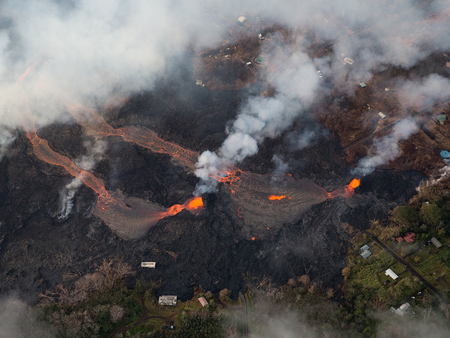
[116, 313]
[404, 215]
[431, 214]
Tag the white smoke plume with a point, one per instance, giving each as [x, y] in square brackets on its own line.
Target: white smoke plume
[280, 170]
[386, 148]
[423, 92]
[301, 139]
[262, 117]
[95, 149]
[94, 48]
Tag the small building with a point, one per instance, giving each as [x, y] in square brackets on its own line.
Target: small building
[410, 237]
[399, 239]
[435, 242]
[168, 300]
[365, 247]
[362, 85]
[148, 265]
[391, 274]
[445, 154]
[402, 309]
[203, 301]
[441, 118]
[380, 114]
[349, 61]
[261, 37]
[242, 19]
[366, 254]
[249, 64]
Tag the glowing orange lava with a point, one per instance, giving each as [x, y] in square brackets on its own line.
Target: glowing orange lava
[106, 203]
[196, 203]
[354, 184]
[192, 204]
[276, 198]
[348, 191]
[91, 120]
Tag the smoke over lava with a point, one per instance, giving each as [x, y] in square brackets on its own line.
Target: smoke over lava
[131, 217]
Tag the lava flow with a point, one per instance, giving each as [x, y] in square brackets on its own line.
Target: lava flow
[262, 204]
[130, 217]
[91, 120]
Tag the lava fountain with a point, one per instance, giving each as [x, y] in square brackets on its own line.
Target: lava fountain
[346, 192]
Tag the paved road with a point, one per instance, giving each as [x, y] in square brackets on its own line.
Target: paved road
[245, 313]
[141, 320]
[409, 267]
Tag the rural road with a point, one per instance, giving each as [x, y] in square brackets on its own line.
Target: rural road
[409, 267]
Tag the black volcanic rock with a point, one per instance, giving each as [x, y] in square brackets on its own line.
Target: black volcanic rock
[212, 251]
[41, 248]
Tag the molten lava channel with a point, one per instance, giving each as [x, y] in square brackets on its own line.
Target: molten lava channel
[131, 217]
[92, 121]
[256, 199]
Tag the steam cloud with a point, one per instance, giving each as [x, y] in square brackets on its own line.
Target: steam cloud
[386, 148]
[262, 117]
[95, 150]
[96, 48]
[423, 92]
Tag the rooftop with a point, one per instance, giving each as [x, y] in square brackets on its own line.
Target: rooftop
[148, 265]
[167, 300]
[391, 274]
[242, 19]
[402, 309]
[410, 237]
[366, 254]
[365, 247]
[203, 301]
[435, 242]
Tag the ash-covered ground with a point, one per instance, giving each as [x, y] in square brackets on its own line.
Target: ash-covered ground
[46, 241]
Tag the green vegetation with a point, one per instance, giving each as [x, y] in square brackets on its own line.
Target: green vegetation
[404, 215]
[431, 214]
[103, 312]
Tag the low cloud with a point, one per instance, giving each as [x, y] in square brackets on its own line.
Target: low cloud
[18, 320]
